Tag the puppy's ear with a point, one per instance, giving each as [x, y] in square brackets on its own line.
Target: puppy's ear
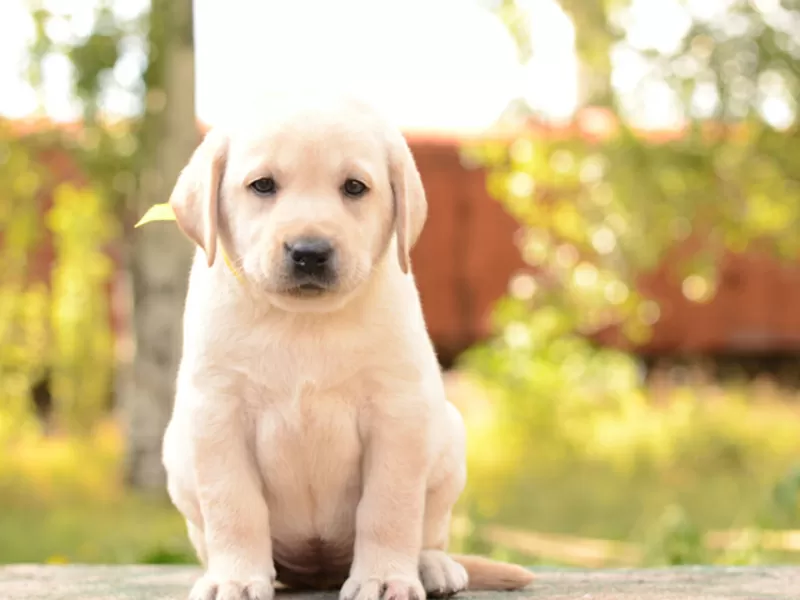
[195, 198]
[410, 204]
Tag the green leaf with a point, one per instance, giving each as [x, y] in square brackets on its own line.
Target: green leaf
[157, 212]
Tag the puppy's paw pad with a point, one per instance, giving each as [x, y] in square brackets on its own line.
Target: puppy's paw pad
[208, 588]
[378, 588]
[441, 575]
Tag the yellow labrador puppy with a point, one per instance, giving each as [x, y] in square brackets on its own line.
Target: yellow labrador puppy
[311, 442]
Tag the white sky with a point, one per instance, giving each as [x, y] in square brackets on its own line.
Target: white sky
[431, 64]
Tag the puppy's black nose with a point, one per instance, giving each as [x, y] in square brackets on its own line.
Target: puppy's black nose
[310, 256]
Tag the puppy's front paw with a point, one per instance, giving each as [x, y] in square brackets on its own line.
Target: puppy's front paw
[385, 588]
[213, 588]
[441, 575]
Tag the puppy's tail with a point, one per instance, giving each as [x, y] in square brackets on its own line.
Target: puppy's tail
[487, 575]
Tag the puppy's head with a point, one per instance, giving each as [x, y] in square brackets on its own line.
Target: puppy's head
[306, 196]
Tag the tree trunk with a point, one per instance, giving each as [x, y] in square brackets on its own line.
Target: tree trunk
[160, 256]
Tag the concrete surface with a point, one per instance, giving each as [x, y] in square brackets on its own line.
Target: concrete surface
[78, 582]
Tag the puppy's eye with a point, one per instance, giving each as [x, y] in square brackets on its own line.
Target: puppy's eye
[354, 188]
[265, 186]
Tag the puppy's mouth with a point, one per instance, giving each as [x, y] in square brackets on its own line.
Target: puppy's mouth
[308, 289]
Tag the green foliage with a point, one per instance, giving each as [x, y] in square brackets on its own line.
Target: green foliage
[676, 540]
[515, 20]
[83, 342]
[52, 324]
[597, 211]
[599, 207]
[56, 327]
[107, 151]
[161, 555]
[786, 498]
[23, 303]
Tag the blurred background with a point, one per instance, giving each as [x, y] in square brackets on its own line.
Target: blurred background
[609, 271]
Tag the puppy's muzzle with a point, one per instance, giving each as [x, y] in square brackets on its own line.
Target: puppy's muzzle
[310, 261]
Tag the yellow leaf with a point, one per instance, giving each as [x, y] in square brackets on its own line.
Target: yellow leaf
[157, 212]
[57, 559]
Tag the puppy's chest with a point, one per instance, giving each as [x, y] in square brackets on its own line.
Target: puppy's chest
[308, 449]
[290, 369]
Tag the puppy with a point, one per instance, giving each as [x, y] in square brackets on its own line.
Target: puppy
[311, 441]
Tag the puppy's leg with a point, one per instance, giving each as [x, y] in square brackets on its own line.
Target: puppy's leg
[443, 574]
[440, 574]
[198, 541]
[238, 548]
[182, 486]
[389, 519]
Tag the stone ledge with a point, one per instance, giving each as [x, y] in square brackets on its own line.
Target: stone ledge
[142, 582]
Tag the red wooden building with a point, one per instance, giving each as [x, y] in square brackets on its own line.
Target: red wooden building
[467, 255]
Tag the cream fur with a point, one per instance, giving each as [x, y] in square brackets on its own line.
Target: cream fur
[311, 440]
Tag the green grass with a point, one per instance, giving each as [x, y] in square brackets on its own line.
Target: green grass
[663, 515]
[128, 530]
[600, 503]
[62, 500]
[660, 477]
